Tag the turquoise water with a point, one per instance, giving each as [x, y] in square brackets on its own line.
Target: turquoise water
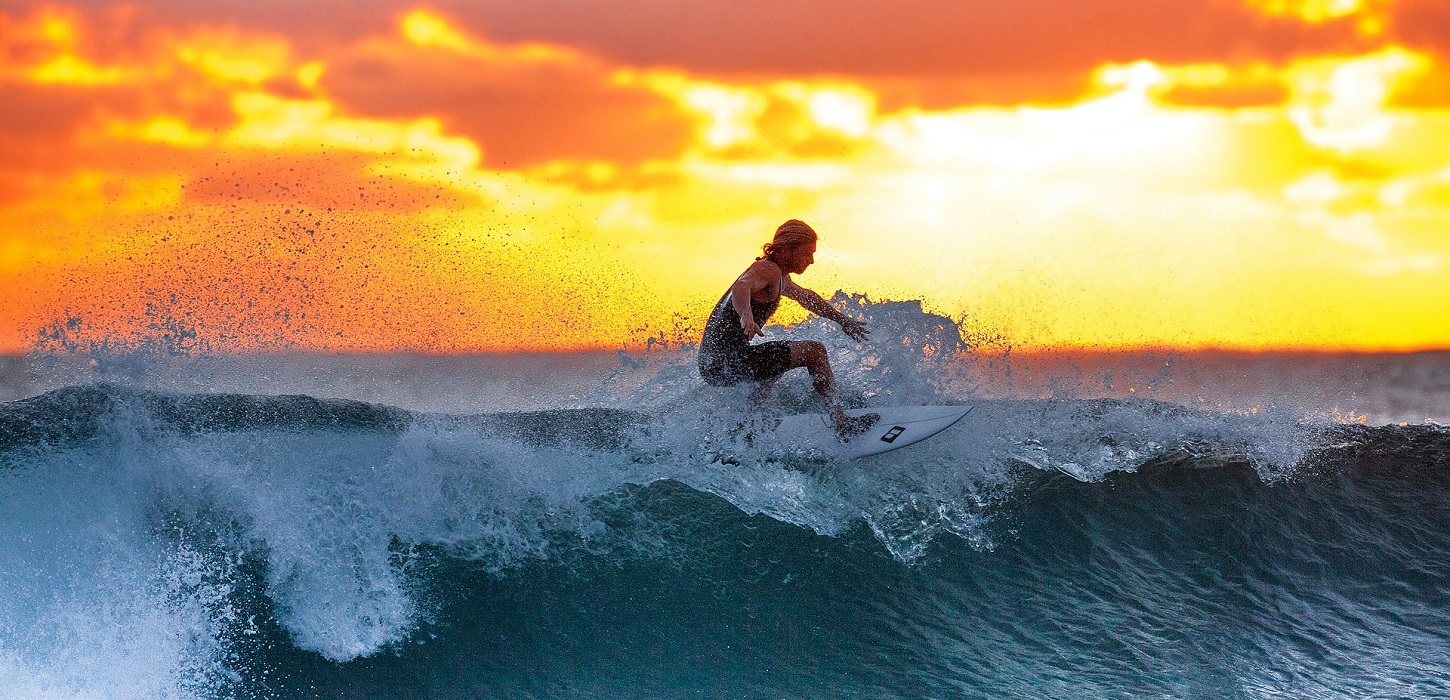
[169, 533]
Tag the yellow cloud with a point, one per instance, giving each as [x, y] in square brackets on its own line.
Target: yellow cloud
[427, 29]
[230, 57]
[270, 122]
[1340, 104]
[1369, 14]
[1126, 217]
[52, 41]
[164, 130]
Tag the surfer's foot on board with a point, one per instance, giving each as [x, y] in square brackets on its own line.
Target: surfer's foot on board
[848, 427]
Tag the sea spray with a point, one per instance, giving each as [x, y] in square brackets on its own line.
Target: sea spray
[168, 542]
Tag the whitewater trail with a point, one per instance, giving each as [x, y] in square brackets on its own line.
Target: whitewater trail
[166, 544]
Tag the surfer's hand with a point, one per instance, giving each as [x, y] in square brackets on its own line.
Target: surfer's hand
[855, 330]
[751, 328]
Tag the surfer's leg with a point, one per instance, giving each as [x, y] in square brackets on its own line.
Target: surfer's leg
[812, 355]
[764, 363]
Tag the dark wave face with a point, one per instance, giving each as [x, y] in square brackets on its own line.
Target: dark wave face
[1184, 582]
[171, 544]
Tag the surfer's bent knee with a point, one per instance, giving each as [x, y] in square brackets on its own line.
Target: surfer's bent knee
[805, 353]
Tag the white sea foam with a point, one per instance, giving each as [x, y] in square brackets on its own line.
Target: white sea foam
[100, 596]
[94, 604]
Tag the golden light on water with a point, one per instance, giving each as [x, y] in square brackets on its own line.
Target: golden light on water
[422, 186]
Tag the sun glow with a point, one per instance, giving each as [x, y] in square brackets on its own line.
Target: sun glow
[350, 195]
[1342, 104]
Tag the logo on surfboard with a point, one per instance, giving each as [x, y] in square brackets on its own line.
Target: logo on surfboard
[893, 433]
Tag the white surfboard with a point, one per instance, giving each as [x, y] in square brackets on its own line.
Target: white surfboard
[899, 426]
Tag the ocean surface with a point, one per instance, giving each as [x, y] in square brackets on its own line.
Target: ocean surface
[594, 525]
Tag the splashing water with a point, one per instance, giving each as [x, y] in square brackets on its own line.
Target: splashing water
[167, 539]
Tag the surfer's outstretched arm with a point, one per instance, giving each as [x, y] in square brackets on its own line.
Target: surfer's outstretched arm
[813, 303]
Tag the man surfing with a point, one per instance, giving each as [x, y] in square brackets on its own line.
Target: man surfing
[727, 357]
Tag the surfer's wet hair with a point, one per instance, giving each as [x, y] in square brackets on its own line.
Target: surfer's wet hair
[789, 235]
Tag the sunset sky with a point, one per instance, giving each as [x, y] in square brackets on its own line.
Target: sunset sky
[497, 175]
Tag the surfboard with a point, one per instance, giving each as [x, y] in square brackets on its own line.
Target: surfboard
[899, 427]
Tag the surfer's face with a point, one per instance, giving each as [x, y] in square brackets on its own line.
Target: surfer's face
[796, 260]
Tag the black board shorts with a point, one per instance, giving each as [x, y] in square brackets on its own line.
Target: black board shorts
[734, 364]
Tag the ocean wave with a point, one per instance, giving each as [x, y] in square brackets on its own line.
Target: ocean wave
[165, 543]
[145, 508]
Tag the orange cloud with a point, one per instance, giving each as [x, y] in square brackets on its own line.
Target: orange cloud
[1421, 24]
[1271, 178]
[914, 37]
[525, 104]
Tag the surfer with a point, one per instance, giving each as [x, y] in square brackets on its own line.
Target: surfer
[727, 357]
